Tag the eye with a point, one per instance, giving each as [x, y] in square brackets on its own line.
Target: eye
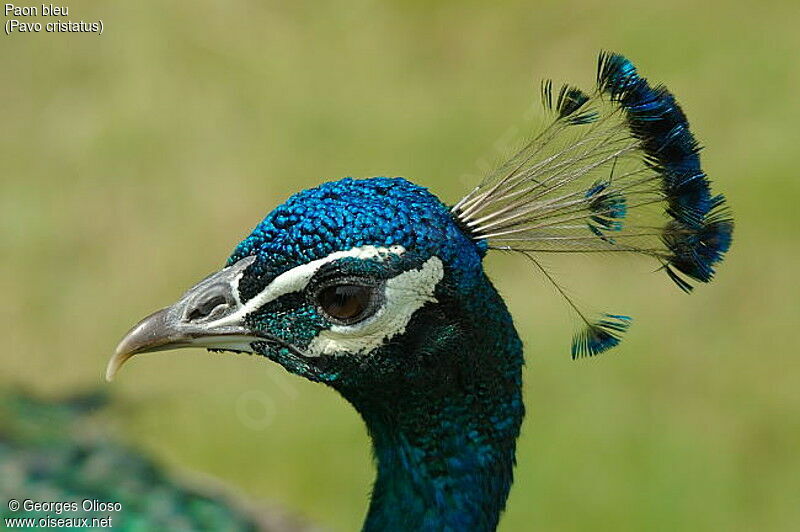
[346, 303]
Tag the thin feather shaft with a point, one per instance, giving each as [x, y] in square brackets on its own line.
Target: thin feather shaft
[582, 171]
[556, 285]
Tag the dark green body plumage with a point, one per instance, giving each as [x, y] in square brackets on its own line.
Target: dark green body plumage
[61, 451]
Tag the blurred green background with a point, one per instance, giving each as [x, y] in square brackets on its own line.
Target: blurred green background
[134, 161]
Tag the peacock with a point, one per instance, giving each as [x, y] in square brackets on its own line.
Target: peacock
[376, 288]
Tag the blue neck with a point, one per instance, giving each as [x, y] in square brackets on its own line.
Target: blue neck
[445, 443]
[444, 479]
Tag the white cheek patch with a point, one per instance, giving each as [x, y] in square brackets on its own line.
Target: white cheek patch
[405, 294]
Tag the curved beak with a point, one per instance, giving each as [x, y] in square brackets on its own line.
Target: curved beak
[209, 315]
[156, 332]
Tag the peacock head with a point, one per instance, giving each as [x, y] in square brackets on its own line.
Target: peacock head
[352, 283]
[376, 281]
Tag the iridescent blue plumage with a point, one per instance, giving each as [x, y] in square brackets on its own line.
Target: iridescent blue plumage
[701, 230]
[569, 101]
[348, 213]
[600, 336]
[608, 210]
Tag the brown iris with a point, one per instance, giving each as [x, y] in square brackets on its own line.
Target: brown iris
[345, 302]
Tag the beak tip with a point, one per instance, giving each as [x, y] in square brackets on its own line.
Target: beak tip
[116, 362]
[148, 333]
[110, 372]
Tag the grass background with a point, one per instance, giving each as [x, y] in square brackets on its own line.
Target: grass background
[133, 162]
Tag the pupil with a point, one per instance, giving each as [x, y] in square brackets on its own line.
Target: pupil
[344, 301]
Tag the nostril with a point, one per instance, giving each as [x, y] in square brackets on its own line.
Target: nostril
[205, 308]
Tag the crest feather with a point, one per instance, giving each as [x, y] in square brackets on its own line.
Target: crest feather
[617, 169]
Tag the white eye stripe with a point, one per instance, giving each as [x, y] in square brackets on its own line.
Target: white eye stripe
[297, 279]
[405, 294]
